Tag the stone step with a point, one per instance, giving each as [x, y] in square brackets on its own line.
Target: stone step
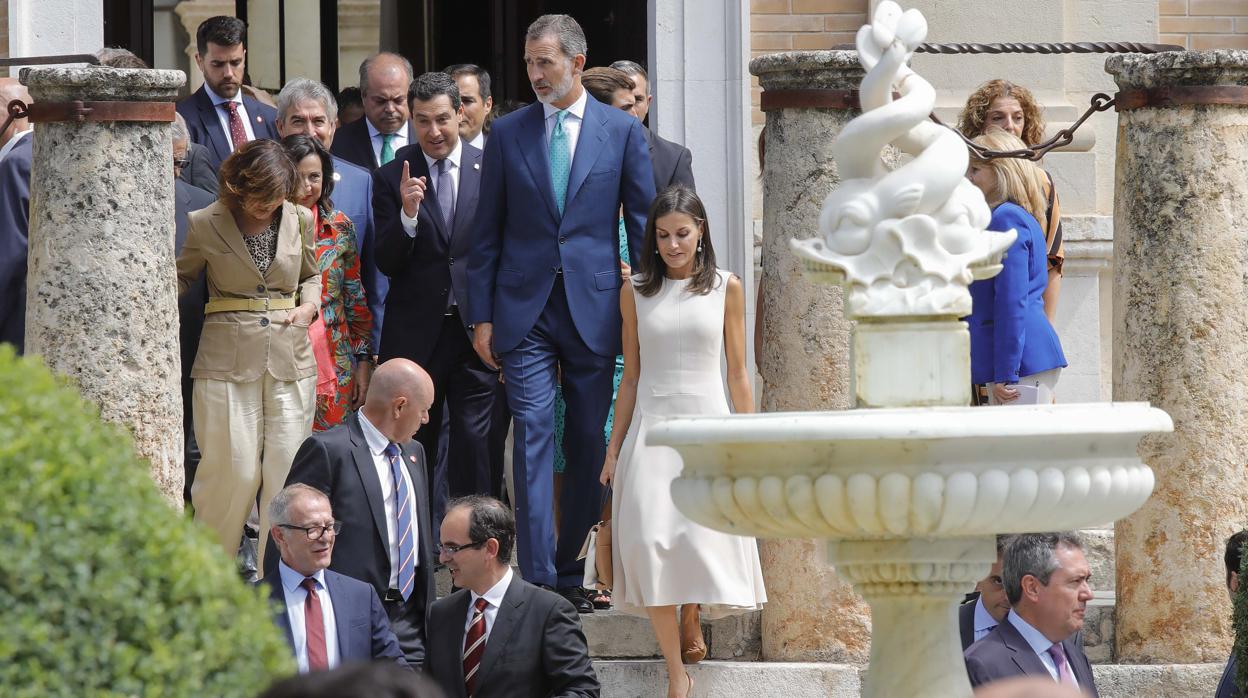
[647, 678]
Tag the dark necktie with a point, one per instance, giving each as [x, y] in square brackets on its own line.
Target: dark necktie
[238, 134]
[474, 645]
[403, 523]
[314, 625]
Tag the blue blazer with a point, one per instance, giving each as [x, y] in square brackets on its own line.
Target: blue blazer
[14, 229]
[353, 195]
[361, 624]
[204, 124]
[1010, 335]
[521, 240]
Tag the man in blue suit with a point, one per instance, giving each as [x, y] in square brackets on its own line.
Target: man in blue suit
[543, 285]
[328, 618]
[308, 107]
[217, 115]
[14, 228]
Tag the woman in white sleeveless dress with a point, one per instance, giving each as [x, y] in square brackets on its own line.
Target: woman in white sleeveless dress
[679, 313]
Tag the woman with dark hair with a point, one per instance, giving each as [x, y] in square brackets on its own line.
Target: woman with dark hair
[255, 375]
[345, 326]
[680, 312]
[998, 104]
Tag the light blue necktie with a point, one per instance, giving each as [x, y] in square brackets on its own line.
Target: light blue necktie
[403, 514]
[560, 161]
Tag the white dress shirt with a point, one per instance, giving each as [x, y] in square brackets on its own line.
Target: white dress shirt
[377, 447]
[296, 597]
[409, 224]
[479, 141]
[224, 116]
[571, 122]
[1040, 645]
[13, 141]
[378, 140]
[984, 622]
[493, 599]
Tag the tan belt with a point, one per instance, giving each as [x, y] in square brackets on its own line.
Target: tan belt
[225, 305]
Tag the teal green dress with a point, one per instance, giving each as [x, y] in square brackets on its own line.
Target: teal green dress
[561, 407]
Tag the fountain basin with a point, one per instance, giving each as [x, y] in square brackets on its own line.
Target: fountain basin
[935, 472]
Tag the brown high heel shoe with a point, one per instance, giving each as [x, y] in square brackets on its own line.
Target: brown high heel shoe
[692, 646]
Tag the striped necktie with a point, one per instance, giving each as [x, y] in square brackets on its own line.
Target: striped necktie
[560, 160]
[403, 517]
[474, 645]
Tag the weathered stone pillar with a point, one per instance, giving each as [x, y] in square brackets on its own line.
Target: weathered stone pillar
[101, 302]
[811, 614]
[1181, 342]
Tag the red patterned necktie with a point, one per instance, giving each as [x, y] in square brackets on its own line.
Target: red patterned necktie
[314, 624]
[238, 134]
[474, 645]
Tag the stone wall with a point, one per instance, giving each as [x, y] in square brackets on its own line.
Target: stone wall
[4, 30]
[1204, 24]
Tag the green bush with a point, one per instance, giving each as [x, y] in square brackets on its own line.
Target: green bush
[104, 589]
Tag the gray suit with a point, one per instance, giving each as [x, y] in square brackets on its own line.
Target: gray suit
[1004, 653]
[672, 162]
[199, 171]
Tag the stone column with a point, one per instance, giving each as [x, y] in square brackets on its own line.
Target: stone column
[811, 614]
[101, 303]
[1181, 343]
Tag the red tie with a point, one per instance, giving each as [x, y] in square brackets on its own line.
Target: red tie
[238, 134]
[314, 624]
[474, 645]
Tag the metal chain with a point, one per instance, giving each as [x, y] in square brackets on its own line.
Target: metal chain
[1042, 48]
[1100, 102]
[17, 109]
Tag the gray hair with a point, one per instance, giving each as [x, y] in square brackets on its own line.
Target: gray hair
[301, 89]
[177, 130]
[279, 508]
[368, 63]
[632, 68]
[566, 31]
[1033, 554]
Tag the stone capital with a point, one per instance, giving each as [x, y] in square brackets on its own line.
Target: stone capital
[96, 83]
[1144, 71]
[808, 70]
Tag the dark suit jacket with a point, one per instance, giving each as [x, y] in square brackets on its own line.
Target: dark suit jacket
[673, 163]
[204, 123]
[1226, 686]
[422, 269]
[1004, 653]
[535, 648]
[14, 229]
[338, 463]
[351, 143]
[966, 623]
[190, 304]
[199, 171]
[360, 621]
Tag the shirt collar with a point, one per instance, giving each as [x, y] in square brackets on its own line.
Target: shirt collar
[454, 155]
[1036, 639]
[8, 147]
[401, 134]
[376, 441]
[495, 595]
[479, 141]
[983, 619]
[292, 579]
[218, 100]
[577, 109]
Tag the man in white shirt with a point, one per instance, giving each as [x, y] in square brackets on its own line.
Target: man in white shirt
[499, 636]
[328, 618]
[1046, 578]
[474, 93]
[371, 142]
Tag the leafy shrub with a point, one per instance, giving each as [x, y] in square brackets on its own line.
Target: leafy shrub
[104, 589]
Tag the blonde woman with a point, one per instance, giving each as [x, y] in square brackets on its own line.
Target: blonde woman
[1014, 349]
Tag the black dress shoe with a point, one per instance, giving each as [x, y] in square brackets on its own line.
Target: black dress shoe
[577, 596]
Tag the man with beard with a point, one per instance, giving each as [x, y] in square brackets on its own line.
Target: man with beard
[217, 114]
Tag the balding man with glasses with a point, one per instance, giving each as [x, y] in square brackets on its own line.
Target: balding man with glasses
[328, 618]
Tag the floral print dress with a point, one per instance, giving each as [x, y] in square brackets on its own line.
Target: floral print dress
[348, 323]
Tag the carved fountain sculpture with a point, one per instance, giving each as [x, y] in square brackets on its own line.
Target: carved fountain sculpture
[911, 488]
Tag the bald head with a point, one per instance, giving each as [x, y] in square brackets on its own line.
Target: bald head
[11, 89]
[384, 81]
[399, 397]
[1026, 687]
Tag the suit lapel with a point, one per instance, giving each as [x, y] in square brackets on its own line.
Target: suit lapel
[416, 470]
[368, 477]
[342, 617]
[259, 127]
[1076, 659]
[459, 616]
[1024, 657]
[588, 147]
[469, 189]
[505, 623]
[223, 223]
[531, 137]
[211, 124]
[277, 600]
[419, 167]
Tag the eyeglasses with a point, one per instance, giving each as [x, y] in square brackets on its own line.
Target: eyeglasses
[450, 550]
[181, 162]
[316, 532]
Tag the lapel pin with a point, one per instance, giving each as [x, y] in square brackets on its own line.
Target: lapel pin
[337, 176]
[476, 165]
[412, 458]
[259, 119]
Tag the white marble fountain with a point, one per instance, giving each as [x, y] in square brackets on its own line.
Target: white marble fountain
[911, 488]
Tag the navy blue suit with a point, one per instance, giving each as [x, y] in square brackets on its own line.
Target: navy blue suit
[353, 195]
[1226, 685]
[1010, 334]
[14, 229]
[360, 622]
[673, 163]
[203, 122]
[550, 284]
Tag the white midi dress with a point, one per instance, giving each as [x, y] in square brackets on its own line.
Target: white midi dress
[660, 557]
